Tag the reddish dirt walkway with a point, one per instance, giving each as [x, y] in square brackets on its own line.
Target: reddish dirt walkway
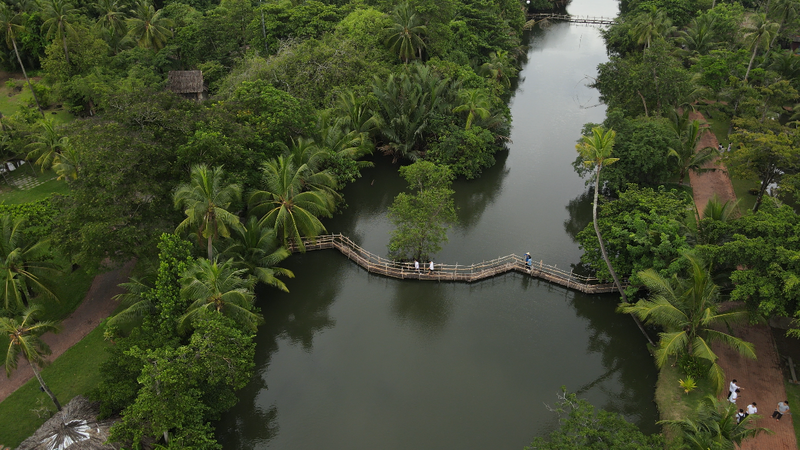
[762, 379]
[707, 184]
[95, 307]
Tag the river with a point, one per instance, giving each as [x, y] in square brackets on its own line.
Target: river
[350, 360]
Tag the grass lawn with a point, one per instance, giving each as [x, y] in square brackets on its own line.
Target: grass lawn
[76, 372]
[11, 195]
[793, 395]
[673, 403]
[741, 188]
[11, 100]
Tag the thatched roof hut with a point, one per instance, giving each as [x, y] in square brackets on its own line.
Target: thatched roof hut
[75, 427]
[187, 83]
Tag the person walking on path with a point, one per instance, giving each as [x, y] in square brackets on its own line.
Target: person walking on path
[732, 388]
[751, 409]
[734, 395]
[780, 410]
[431, 268]
[740, 416]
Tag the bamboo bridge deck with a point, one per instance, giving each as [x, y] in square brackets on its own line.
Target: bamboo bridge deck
[571, 18]
[449, 272]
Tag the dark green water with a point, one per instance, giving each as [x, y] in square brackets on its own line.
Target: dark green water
[350, 360]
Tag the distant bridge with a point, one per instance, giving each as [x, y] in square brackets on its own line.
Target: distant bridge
[537, 17]
[449, 272]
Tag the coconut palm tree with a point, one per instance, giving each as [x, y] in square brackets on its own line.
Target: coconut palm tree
[206, 202]
[501, 67]
[685, 151]
[68, 164]
[651, 25]
[762, 32]
[475, 104]
[596, 151]
[218, 288]
[25, 266]
[111, 17]
[10, 27]
[256, 249]
[24, 336]
[715, 426]
[698, 38]
[688, 311]
[47, 145]
[293, 199]
[406, 33]
[58, 24]
[147, 27]
[135, 300]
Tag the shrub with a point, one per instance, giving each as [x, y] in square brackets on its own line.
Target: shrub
[691, 366]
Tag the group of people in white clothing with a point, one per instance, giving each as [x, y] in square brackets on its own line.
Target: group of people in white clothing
[416, 266]
[733, 394]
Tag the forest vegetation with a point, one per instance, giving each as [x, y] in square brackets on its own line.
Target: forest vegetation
[209, 196]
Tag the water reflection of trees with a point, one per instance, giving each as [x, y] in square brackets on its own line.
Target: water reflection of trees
[624, 356]
[423, 305]
[297, 316]
[472, 197]
[580, 214]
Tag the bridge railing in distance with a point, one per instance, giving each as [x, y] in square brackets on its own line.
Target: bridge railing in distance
[454, 272]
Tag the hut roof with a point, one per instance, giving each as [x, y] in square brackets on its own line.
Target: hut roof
[75, 427]
[185, 81]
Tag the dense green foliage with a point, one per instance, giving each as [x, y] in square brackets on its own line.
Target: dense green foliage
[300, 93]
[424, 215]
[581, 427]
[642, 229]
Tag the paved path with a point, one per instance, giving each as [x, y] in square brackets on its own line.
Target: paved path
[95, 307]
[762, 379]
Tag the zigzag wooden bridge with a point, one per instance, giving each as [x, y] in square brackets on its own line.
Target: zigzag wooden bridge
[448, 272]
[572, 19]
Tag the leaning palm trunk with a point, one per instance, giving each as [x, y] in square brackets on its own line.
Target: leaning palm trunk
[605, 255]
[14, 41]
[752, 58]
[44, 386]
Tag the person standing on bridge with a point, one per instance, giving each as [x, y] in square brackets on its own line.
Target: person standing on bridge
[528, 260]
[416, 265]
[431, 267]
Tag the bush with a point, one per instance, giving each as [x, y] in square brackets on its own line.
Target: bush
[692, 366]
[14, 85]
[38, 215]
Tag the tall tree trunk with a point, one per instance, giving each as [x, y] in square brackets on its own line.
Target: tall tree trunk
[210, 248]
[263, 29]
[44, 386]
[752, 58]
[14, 41]
[66, 53]
[605, 256]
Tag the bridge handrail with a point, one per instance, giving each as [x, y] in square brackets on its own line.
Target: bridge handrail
[376, 263]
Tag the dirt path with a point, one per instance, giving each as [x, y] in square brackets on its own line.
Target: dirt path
[762, 379]
[707, 184]
[95, 307]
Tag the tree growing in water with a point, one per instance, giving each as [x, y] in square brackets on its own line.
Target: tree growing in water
[422, 217]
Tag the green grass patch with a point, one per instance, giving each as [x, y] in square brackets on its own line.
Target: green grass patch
[11, 195]
[741, 188]
[673, 403]
[12, 100]
[719, 123]
[793, 395]
[76, 372]
[71, 290]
